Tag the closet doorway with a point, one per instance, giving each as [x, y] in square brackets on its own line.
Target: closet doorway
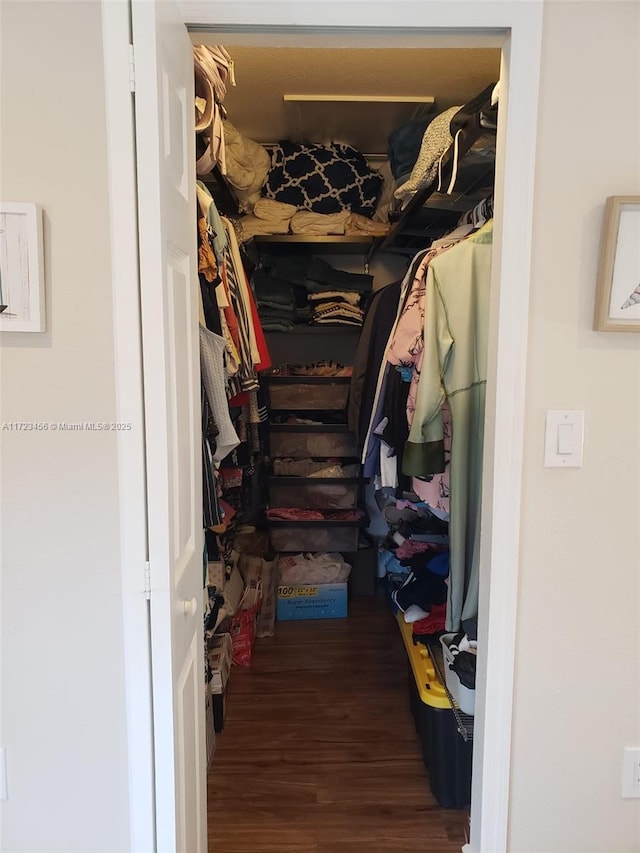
[517, 33]
[323, 708]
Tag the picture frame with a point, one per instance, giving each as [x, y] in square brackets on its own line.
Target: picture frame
[617, 305]
[22, 285]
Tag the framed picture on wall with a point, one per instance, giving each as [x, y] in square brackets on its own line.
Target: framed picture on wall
[21, 268]
[617, 306]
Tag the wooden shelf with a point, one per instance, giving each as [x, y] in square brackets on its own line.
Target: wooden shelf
[330, 245]
[316, 330]
[431, 209]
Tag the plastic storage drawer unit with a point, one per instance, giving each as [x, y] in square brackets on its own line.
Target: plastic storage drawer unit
[314, 535]
[323, 393]
[300, 442]
[364, 564]
[314, 492]
[446, 754]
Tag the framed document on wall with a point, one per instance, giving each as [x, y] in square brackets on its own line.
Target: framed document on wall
[21, 268]
[617, 307]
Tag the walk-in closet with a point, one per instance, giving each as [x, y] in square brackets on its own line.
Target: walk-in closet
[345, 219]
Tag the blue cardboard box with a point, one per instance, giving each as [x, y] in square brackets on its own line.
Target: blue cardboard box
[312, 601]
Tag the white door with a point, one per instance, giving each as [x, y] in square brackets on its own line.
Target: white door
[165, 143]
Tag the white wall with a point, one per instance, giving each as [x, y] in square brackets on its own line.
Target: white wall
[62, 686]
[577, 697]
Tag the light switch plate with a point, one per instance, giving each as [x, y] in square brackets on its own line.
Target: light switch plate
[564, 439]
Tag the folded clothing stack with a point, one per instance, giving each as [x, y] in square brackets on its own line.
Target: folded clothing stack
[319, 224]
[325, 224]
[268, 217]
[415, 576]
[322, 295]
[425, 589]
[334, 310]
[336, 295]
[276, 302]
[410, 515]
[321, 276]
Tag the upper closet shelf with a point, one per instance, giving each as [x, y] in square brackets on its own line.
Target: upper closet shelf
[432, 211]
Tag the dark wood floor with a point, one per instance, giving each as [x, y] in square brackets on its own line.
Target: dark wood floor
[319, 752]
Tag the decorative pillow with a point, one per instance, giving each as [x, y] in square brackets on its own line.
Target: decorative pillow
[323, 178]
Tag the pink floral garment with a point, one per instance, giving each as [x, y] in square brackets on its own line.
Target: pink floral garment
[407, 350]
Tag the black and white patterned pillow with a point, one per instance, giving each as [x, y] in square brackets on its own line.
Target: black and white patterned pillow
[323, 178]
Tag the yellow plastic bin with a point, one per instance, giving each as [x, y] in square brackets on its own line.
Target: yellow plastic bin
[446, 754]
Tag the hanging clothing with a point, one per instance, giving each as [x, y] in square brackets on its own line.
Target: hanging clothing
[215, 65]
[378, 390]
[207, 263]
[435, 489]
[212, 514]
[210, 213]
[378, 321]
[229, 326]
[406, 351]
[455, 366]
[210, 306]
[246, 376]
[212, 348]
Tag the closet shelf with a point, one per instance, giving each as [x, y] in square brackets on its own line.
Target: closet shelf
[329, 245]
[317, 330]
[431, 212]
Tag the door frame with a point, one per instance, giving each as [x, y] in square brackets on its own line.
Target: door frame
[128, 365]
[516, 27]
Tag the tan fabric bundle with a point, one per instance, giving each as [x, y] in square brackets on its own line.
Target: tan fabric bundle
[248, 226]
[319, 224]
[358, 224]
[274, 211]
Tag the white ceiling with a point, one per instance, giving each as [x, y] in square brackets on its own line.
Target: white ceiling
[265, 74]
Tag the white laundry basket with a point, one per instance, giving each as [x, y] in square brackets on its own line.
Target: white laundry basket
[464, 696]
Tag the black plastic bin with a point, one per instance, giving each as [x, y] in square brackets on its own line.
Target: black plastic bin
[447, 756]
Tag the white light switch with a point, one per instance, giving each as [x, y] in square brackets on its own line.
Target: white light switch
[564, 439]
